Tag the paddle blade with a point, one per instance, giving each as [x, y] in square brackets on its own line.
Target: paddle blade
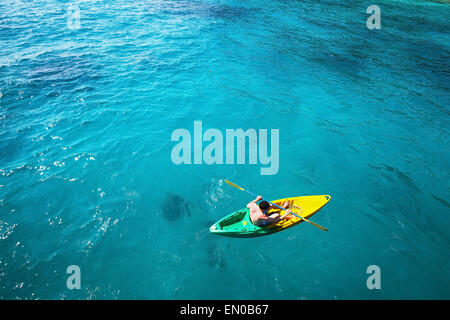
[315, 224]
[233, 185]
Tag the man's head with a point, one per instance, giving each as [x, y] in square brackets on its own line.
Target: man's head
[264, 205]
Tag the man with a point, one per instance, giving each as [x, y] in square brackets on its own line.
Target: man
[259, 212]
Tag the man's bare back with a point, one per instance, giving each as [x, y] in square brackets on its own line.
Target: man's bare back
[258, 216]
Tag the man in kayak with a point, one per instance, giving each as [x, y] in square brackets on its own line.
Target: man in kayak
[259, 213]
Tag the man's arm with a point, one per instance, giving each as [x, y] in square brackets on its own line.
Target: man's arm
[254, 201]
[276, 217]
[286, 213]
[286, 204]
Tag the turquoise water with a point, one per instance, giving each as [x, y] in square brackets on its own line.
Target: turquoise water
[86, 176]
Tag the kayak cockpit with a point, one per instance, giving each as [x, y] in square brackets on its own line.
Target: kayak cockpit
[231, 222]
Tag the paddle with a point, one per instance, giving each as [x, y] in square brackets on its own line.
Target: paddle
[240, 188]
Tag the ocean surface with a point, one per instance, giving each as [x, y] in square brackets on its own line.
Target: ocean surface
[86, 176]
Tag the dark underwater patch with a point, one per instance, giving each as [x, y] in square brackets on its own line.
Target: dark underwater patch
[174, 207]
[227, 12]
[215, 257]
[202, 9]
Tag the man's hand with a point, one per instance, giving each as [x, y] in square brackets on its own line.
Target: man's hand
[287, 212]
[258, 198]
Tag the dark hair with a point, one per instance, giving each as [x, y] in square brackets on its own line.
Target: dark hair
[264, 205]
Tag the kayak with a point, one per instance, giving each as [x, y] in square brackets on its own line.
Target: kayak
[239, 225]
